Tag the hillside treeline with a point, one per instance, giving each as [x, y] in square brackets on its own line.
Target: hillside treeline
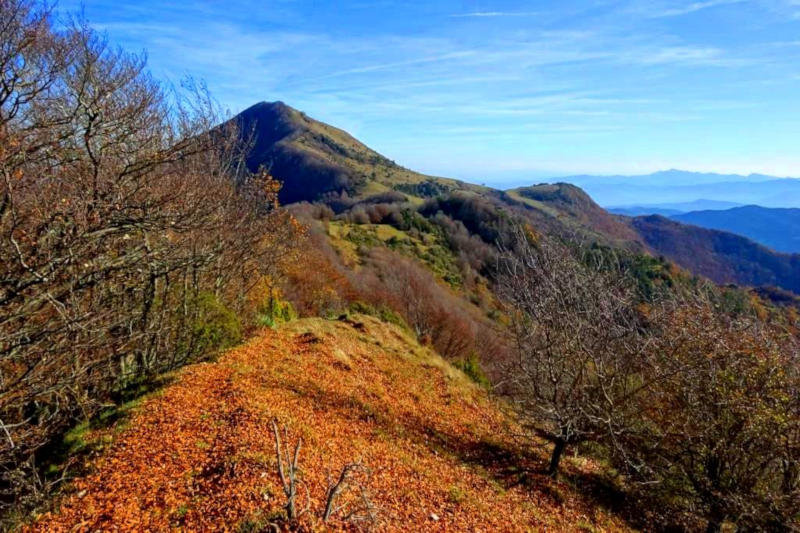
[131, 242]
[695, 400]
[688, 392]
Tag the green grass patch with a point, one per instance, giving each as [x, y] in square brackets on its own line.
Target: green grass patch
[471, 366]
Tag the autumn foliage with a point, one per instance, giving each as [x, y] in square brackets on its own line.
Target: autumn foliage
[130, 241]
[396, 287]
[694, 399]
[135, 241]
[441, 453]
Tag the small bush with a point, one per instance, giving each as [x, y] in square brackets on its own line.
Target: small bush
[383, 313]
[471, 366]
[363, 308]
[456, 494]
[275, 311]
[215, 327]
[387, 315]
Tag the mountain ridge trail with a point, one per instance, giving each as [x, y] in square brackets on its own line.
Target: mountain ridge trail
[199, 455]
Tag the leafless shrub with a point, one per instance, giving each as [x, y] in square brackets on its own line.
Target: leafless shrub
[362, 510]
[346, 494]
[578, 357]
[288, 471]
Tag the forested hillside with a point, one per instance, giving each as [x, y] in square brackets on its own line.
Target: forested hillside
[778, 229]
[319, 163]
[720, 256]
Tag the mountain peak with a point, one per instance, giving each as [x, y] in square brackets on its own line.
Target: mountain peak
[312, 159]
[265, 114]
[277, 105]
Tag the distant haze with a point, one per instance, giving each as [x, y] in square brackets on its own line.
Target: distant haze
[667, 188]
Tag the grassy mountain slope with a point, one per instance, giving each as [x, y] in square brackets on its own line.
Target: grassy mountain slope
[575, 211]
[720, 256]
[437, 446]
[777, 228]
[315, 160]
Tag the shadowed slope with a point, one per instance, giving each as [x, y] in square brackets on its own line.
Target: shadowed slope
[720, 256]
[777, 228]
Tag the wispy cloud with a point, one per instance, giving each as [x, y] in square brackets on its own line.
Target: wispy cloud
[492, 14]
[399, 64]
[619, 81]
[691, 8]
[687, 55]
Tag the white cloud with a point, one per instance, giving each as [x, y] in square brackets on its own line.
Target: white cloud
[398, 64]
[691, 8]
[679, 54]
[490, 14]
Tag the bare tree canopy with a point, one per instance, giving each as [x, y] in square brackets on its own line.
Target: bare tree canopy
[578, 353]
[722, 428]
[130, 241]
[698, 404]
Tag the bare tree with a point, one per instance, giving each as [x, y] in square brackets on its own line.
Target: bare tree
[363, 510]
[128, 238]
[700, 406]
[579, 360]
[288, 471]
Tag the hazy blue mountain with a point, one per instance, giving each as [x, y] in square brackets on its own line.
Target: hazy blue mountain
[778, 229]
[665, 178]
[677, 186]
[644, 210]
[671, 209]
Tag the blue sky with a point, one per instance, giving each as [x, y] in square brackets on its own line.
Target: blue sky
[499, 91]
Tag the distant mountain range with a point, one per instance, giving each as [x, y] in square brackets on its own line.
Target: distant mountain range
[319, 163]
[777, 228]
[670, 209]
[678, 186]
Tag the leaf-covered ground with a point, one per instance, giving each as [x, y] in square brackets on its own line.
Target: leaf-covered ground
[199, 456]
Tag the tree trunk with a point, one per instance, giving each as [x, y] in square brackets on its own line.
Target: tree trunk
[555, 459]
[715, 520]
